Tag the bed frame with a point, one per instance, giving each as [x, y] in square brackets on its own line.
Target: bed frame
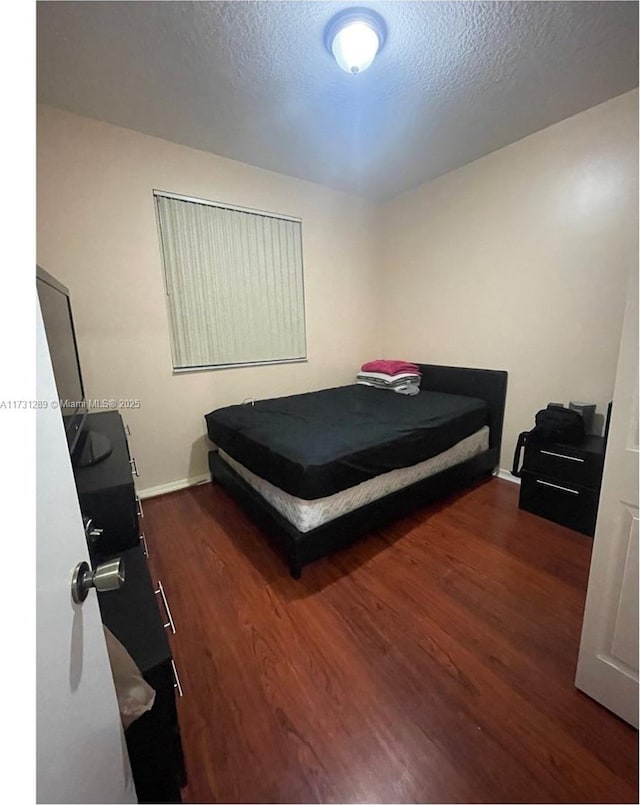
[299, 548]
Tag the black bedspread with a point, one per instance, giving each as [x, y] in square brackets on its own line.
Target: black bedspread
[313, 445]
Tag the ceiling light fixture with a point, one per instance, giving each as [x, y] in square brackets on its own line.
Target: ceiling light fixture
[354, 37]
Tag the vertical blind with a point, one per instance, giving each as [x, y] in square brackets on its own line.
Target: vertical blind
[234, 284]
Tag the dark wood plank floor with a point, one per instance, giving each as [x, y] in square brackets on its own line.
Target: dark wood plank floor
[431, 662]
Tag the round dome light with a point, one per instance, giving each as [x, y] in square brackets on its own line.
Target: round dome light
[354, 37]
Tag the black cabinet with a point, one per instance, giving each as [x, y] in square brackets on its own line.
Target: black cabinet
[107, 496]
[562, 482]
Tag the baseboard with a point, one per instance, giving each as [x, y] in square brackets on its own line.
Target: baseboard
[183, 483]
[505, 475]
[173, 486]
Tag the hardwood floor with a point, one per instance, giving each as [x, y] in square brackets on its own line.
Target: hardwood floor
[430, 662]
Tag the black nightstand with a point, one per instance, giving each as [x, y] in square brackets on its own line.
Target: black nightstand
[562, 482]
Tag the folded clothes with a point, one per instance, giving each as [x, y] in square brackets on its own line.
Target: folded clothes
[389, 367]
[378, 385]
[381, 377]
[407, 388]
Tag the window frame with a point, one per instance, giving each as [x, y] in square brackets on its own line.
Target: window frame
[236, 208]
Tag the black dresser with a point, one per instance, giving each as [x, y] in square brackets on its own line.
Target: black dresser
[106, 491]
[562, 482]
[137, 614]
[153, 740]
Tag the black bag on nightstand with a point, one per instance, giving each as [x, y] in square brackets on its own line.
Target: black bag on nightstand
[553, 424]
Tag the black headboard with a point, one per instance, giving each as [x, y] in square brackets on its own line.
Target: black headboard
[486, 384]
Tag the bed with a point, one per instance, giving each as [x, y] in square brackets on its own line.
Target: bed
[316, 471]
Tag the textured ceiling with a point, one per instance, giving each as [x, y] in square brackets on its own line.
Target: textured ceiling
[252, 80]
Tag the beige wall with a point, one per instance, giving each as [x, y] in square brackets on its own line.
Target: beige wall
[519, 261]
[97, 234]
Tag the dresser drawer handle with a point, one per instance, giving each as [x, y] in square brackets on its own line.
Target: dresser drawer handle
[176, 684]
[144, 545]
[559, 455]
[170, 624]
[555, 486]
[140, 511]
[134, 467]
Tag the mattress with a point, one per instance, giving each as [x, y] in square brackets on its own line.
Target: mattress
[306, 515]
[317, 444]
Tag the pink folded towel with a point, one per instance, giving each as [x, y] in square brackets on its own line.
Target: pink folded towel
[390, 367]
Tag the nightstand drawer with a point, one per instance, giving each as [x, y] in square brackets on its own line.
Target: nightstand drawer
[564, 463]
[570, 505]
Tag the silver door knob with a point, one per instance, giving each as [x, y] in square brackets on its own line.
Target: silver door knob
[107, 576]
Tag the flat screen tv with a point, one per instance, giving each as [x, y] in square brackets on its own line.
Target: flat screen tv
[85, 446]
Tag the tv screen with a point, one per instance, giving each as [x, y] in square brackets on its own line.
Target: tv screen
[58, 324]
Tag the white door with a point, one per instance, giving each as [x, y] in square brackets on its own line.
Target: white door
[81, 753]
[608, 659]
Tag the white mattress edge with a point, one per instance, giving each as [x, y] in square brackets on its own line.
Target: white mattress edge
[306, 515]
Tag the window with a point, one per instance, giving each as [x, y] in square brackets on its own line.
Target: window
[234, 284]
